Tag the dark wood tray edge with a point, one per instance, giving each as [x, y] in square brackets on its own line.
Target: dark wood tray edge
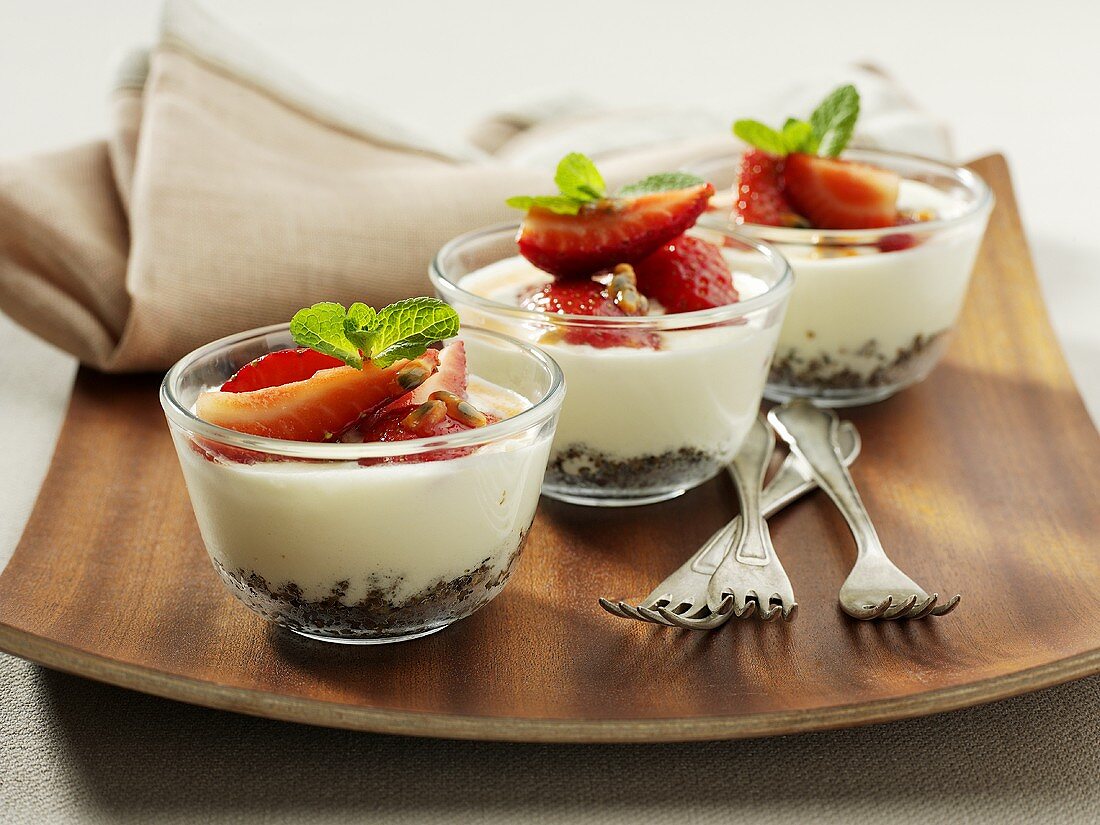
[508, 729]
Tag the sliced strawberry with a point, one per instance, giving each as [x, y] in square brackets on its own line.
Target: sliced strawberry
[451, 376]
[608, 232]
[318, 408]
[586, 297]
[896, 242]
[686, 274]
[281, 367]
[840, 194]
[758, 194]
[390, 425]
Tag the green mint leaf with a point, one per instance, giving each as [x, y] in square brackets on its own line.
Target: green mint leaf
[835, 119]
[579, 182]
[558, 204]
[359, 325]
[405, 329]
[321, 327]
[577, 177]
[798, 136]
[755, 133]
[661, 183]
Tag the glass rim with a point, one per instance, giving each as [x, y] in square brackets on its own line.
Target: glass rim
[981, 203]
[533, 416]
[679, 320]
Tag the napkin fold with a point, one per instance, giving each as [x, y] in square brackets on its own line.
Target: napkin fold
[229, 193]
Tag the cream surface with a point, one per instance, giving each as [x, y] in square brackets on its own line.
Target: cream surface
[700, 389]
[401, 527]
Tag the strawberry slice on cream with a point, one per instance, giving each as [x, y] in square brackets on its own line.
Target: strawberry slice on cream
[319, 407]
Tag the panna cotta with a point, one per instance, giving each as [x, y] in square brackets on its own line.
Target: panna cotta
[377, 533]
[664, 331]
[882, 247]
[655, 417]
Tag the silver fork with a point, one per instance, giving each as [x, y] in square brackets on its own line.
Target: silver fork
[875, 588]
[690, 581]
[750, 574]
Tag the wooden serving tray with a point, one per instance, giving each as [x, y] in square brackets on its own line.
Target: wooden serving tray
[983, 480]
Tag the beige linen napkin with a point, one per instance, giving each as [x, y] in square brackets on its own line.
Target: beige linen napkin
[228, 195]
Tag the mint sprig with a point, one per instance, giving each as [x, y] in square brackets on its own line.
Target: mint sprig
[827, 132]
[660, 183]
[580, 182]
[401, 330]
[577, 177]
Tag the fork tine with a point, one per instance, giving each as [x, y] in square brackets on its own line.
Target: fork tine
[648, 614]
[770, 614]
[898, 611]
[944, 609]
[868, 613]
[611, 608]
[631, 612]
[746, 611]
[710, 622]
[924, 608]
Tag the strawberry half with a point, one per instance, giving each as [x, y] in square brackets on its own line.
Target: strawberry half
[318, 408]
[840, 194]
[609, 231]
[758, 194]
[586, 297]
[686, 274]
[281, 367]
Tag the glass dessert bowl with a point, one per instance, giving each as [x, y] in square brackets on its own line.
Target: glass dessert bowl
[882, 246]
[873, 309]
[658, 403]
[377, 540]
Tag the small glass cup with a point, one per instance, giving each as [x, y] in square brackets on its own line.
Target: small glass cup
[659, 413]
[873, 309]
[363, 543]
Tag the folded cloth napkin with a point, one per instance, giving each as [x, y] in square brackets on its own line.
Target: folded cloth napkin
[229, 194]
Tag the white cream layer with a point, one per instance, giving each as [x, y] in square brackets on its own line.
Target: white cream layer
[841, 304]
[404, 526]
[701, 389]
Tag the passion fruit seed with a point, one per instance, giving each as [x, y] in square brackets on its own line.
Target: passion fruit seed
[552, 336]
[623, 290]
[424, 417]
[412, 375]
[460, 410]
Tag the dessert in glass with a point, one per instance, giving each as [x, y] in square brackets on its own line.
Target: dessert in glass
[882, 245]
[364, 499]
[665, 331]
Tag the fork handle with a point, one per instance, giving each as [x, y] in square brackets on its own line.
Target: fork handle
[792, 481]
[748, 468]
[811, 434]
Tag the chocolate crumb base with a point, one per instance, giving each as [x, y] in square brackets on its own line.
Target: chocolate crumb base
[377, 615]
[579, 467]
[794, 369]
